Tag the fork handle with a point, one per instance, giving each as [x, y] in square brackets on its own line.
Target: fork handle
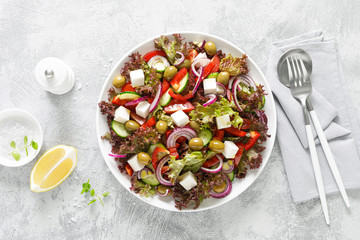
[329, 156]
[317, 172]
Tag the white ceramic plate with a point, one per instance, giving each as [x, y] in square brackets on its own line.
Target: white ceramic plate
[239, 185]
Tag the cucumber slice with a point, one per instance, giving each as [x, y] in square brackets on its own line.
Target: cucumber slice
[231, 175]
[152, 148]
[129, 96]
[165, 99]
[183, 83]
[206, 136]
[150, 179]
[159, 63]
[213, 75]
[119, 129]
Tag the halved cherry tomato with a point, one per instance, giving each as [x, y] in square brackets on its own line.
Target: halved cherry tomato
[179, 96]
[235, 132]
[215, 59]
[164, 169]
[165, 86]
[175, 82]
[219, 135]
[127, 87]
[246, 124]
[151, 122]
[192, 55]
[208, 69]
[129, 170]
[238, 153]
[176, 105]
[116, 100]
[154, 157]
[151, 54]
[211, 162]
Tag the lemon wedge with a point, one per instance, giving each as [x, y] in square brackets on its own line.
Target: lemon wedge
[52, 168]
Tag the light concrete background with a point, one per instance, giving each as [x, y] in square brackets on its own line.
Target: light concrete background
[91, 36]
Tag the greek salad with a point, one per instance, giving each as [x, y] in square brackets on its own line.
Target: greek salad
[185, 120]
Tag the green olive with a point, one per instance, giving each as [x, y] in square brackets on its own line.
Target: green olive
[210, 48]
[217, 146]
[119, 81]
[196, 144]
[219, 188]
[131, 126]
[223, 78]
[170, 72]
[161, 126]
[185, 64]
[162, 189]
[194, 125]
[144, 158]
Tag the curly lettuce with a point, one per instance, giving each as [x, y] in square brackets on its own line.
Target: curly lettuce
[161, 115]
[141, 188]
[138, 141]
[234, 65]
[193, 161]
[171, 47]
[175, 166]
[205, 116]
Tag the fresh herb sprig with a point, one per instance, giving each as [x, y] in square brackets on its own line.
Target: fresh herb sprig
[15, 152]
[87, 188]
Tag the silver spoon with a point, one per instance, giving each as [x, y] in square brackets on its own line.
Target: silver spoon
[282, 70]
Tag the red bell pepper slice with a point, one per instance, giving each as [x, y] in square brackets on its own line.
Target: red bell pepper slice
[235, 132]
[117, 101]
[246, 124]
[175, 82]
[219, 135]
[127, 88]
[129, 170]
[208, 69]
[165, 86]
[154, 157]
[211, 162]
[176, 105]
[254, 136]
[173, 152]
[151, 54]
[179, 96]
[150, 100]
[192, 55]
[215, 59]
[238, 154]
[150, 123]
[164, 169]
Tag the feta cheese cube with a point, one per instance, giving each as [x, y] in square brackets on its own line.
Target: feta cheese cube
[230, 149]
[223, 121]
[142, 109]
[180, 118]
[135, 164]
[122, 114]
[137, 78]
[188, 180]
[209, 86]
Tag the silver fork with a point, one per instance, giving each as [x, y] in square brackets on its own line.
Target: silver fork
[301, 88]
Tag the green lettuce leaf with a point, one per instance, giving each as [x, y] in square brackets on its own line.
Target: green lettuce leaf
[176, 166]
[171, 47]
[206, 115]
[234, 65]
[161, 115]
[143, 189]
[193, 161]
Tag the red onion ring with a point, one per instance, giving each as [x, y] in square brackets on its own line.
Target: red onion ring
[211, 100]
[158, 174]
[180, 60]
[162, 195]
[144, 169]
[117, 155]
[225, 192]
[199, 80]
[222, 89]
[231, 82]
[231, 167]
[154, 104]
[135, 102]
[215, 170]
[234, 88]
[187, 132]
[200, 61]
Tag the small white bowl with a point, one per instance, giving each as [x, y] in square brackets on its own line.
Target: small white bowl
[18, 116]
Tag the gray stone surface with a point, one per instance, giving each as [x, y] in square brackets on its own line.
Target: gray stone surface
[91, 36]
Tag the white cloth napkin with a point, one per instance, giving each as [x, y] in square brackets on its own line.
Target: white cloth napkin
[335, 111]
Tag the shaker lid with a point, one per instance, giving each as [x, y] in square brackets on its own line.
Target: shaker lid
[51, 73]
